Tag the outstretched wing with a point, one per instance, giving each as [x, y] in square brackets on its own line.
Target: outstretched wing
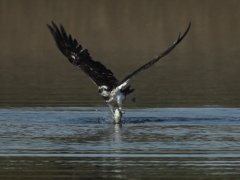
[156, 59]
[81, 58]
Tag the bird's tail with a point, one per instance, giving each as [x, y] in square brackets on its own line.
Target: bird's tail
[127, 90]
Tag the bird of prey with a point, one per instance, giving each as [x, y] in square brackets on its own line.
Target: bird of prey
[110, 88]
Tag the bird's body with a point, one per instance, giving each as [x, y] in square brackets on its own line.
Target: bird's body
[113, 91]
[115, 98]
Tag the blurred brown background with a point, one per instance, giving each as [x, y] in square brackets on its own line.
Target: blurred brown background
[123, 34]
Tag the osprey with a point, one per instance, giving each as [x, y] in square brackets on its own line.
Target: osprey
[111, 89]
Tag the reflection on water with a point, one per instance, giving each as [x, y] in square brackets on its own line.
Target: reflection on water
[76, 142]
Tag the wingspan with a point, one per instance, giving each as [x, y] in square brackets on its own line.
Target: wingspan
[156, 59]
[81, 58]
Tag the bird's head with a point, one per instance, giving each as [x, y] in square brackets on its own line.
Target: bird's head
[104, 91]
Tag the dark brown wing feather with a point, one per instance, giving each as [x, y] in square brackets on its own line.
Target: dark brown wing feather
[156, 59]
[81, 58]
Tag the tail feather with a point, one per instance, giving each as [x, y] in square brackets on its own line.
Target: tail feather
[127, 90]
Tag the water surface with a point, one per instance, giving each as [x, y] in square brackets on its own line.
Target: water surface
[156, 142]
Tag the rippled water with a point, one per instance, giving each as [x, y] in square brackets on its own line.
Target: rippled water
[182, 143]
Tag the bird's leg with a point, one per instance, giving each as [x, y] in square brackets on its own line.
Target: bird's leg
[111, 108]
[117, 116]
[120, 108]
[119, 102]
[116, 113]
